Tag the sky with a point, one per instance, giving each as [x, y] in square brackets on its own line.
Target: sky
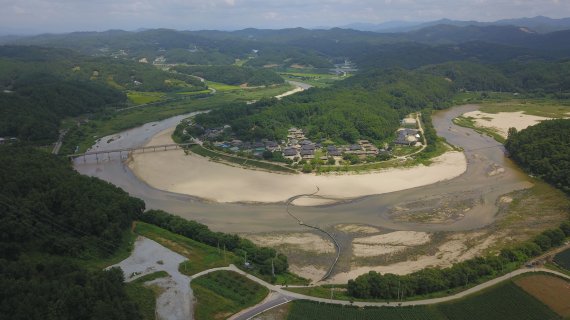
[40, 16]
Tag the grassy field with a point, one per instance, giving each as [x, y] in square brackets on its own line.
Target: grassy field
[503, 302]
[222, 293]
[137, 97]
[201, 257]
[222, 87]
[468, 122]
[317, 80]
[193, 93]
[563, 259]
[541, 108]
[145, 296]
[291, 279]
[239, 161]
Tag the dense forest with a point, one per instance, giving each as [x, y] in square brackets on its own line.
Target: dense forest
[53, 220]
[462, 274]
[544, 151]
[52, 217]
[366, 106]
[39, 87]
[233, 75]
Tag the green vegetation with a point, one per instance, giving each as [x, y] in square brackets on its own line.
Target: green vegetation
[563, 259]
[245, 162]
[263, 260]
[543, 150]
[53, 219]
[504, 301]
[469, 122]
[40, 87]
[461, 275]
[367, 106]
[302, 309]
[317, 80]
[145, 296]
[200, 256]
[547, 108]
[233, 75]
[137, 97]
[222, 293]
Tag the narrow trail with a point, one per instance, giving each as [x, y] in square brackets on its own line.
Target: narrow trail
[336, 244]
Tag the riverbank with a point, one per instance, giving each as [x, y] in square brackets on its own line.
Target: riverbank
[198, 176]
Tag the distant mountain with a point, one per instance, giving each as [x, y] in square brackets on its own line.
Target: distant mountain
[538, 24]
[381, 27]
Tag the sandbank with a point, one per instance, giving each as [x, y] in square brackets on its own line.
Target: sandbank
[502, 121]
[198, 176]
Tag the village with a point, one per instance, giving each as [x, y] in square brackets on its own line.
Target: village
[299, 149]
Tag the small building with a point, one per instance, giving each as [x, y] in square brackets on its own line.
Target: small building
[290, 152]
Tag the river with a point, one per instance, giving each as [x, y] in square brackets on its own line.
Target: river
[469, 201]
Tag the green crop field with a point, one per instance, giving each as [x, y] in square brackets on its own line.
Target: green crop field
[222, 293]
[301, 310]
[137, 97]
[200, 256]
[563, 259]
[503, 302]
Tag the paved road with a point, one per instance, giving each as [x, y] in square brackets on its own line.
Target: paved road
[275, 300]
[150, 256]
[266, 305]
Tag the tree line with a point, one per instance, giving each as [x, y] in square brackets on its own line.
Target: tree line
[374, 285]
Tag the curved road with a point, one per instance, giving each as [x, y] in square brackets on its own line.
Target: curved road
[284, 296]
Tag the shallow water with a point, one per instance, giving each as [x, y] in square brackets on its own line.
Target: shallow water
[475, 186]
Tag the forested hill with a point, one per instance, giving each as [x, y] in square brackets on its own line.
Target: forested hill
[366, 106]
[41, 86]
[317, 48]
[50, 217]
[544, 150]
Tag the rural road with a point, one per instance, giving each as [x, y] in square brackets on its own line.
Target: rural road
[175, 303]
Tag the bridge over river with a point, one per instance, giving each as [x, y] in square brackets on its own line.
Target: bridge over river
[143, 149]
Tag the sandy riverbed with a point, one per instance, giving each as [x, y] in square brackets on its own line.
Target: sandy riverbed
[459, 247]
[198, 176]
[502, 121]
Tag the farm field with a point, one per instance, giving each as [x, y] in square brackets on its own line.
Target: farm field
[222, 293]
[317, 80]
[301, 310]
[137, 97]
[563, 259]
[550, 290]
[201, 257]
[503, 302]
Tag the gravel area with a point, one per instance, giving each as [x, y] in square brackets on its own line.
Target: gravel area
[149, 257]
